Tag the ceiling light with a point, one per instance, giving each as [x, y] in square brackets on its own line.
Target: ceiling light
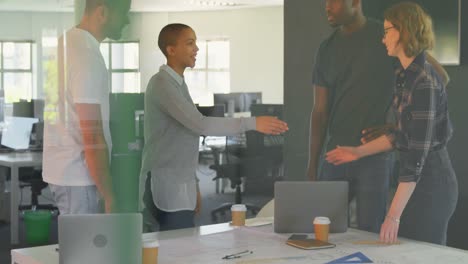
[211, 3]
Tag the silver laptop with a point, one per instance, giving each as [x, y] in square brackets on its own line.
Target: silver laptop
[17, 132]
[298, 203]
[100, 238]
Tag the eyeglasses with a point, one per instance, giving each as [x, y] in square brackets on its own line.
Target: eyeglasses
[386, 30]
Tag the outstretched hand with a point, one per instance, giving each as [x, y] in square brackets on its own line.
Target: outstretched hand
[271, 125]
[342, 155]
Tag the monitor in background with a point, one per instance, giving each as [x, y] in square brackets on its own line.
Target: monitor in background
[214, 111]
[267, 109]
[38, 108]
[237, 102]
[233, 102]
[250, 99]
[23, 109]
[32, 109]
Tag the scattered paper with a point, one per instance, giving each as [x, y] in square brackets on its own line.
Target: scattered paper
[259, 221]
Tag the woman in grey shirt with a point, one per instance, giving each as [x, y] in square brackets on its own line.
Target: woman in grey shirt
[173, 126]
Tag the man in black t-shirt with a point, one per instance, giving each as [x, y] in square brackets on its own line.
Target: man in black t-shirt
[353, 86]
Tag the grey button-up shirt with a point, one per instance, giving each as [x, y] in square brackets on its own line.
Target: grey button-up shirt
[173, 126]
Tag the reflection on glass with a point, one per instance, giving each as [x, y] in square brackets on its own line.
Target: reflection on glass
[17, 56]
[125, 55]
[18, 85]
[128, 82]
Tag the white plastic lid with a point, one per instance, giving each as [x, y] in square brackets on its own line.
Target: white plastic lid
[322, 220]
[150, 243]
[238, 207]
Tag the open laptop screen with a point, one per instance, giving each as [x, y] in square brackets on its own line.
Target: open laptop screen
[17, 132]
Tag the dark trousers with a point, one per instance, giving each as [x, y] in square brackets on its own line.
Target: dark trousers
[368, 180]
[427, 214]
[166, 220]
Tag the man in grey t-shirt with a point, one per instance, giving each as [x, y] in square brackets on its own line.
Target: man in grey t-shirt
[353, 86]
[172, 129]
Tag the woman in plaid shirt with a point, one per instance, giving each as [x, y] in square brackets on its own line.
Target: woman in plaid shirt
[427, 193]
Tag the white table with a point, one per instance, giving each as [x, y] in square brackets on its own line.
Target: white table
[15, 161]
[208, 244]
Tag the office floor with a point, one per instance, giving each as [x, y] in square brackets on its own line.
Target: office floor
[210, 200]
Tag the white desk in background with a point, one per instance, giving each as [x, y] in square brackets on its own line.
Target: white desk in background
[209, 244]
[15, 161]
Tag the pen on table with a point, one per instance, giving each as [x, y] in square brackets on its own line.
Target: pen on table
[238, 255]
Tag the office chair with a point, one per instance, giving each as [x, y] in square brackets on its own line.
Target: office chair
[265, 154]
[232, 170]
[33, 178]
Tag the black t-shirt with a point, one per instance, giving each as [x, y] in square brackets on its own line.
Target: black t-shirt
[359, 77]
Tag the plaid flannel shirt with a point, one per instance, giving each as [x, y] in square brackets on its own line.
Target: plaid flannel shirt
[423, 124]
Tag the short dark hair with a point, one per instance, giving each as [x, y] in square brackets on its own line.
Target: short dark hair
[169, 34]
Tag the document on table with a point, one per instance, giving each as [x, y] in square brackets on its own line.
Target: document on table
[258, 221]
[269, 247]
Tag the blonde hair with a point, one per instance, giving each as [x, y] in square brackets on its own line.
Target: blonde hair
[414, 25]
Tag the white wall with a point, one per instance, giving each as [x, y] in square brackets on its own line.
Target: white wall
[256, 37]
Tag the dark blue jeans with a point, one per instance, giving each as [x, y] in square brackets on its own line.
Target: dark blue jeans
[427, 214]
[166, 220]
[368, 180]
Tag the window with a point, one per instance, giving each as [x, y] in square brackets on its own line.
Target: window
[123, 61]
[16, 74]
[50, 74]
[211, 73]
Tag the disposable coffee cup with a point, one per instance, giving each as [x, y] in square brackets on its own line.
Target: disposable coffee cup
[150, 251]
[321, 228]
[238, 214]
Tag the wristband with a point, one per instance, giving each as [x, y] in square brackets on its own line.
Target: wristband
[396, 220]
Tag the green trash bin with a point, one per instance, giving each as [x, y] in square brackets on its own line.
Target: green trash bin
[37, 225]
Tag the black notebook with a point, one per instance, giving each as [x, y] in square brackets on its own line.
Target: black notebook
[304, 242]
